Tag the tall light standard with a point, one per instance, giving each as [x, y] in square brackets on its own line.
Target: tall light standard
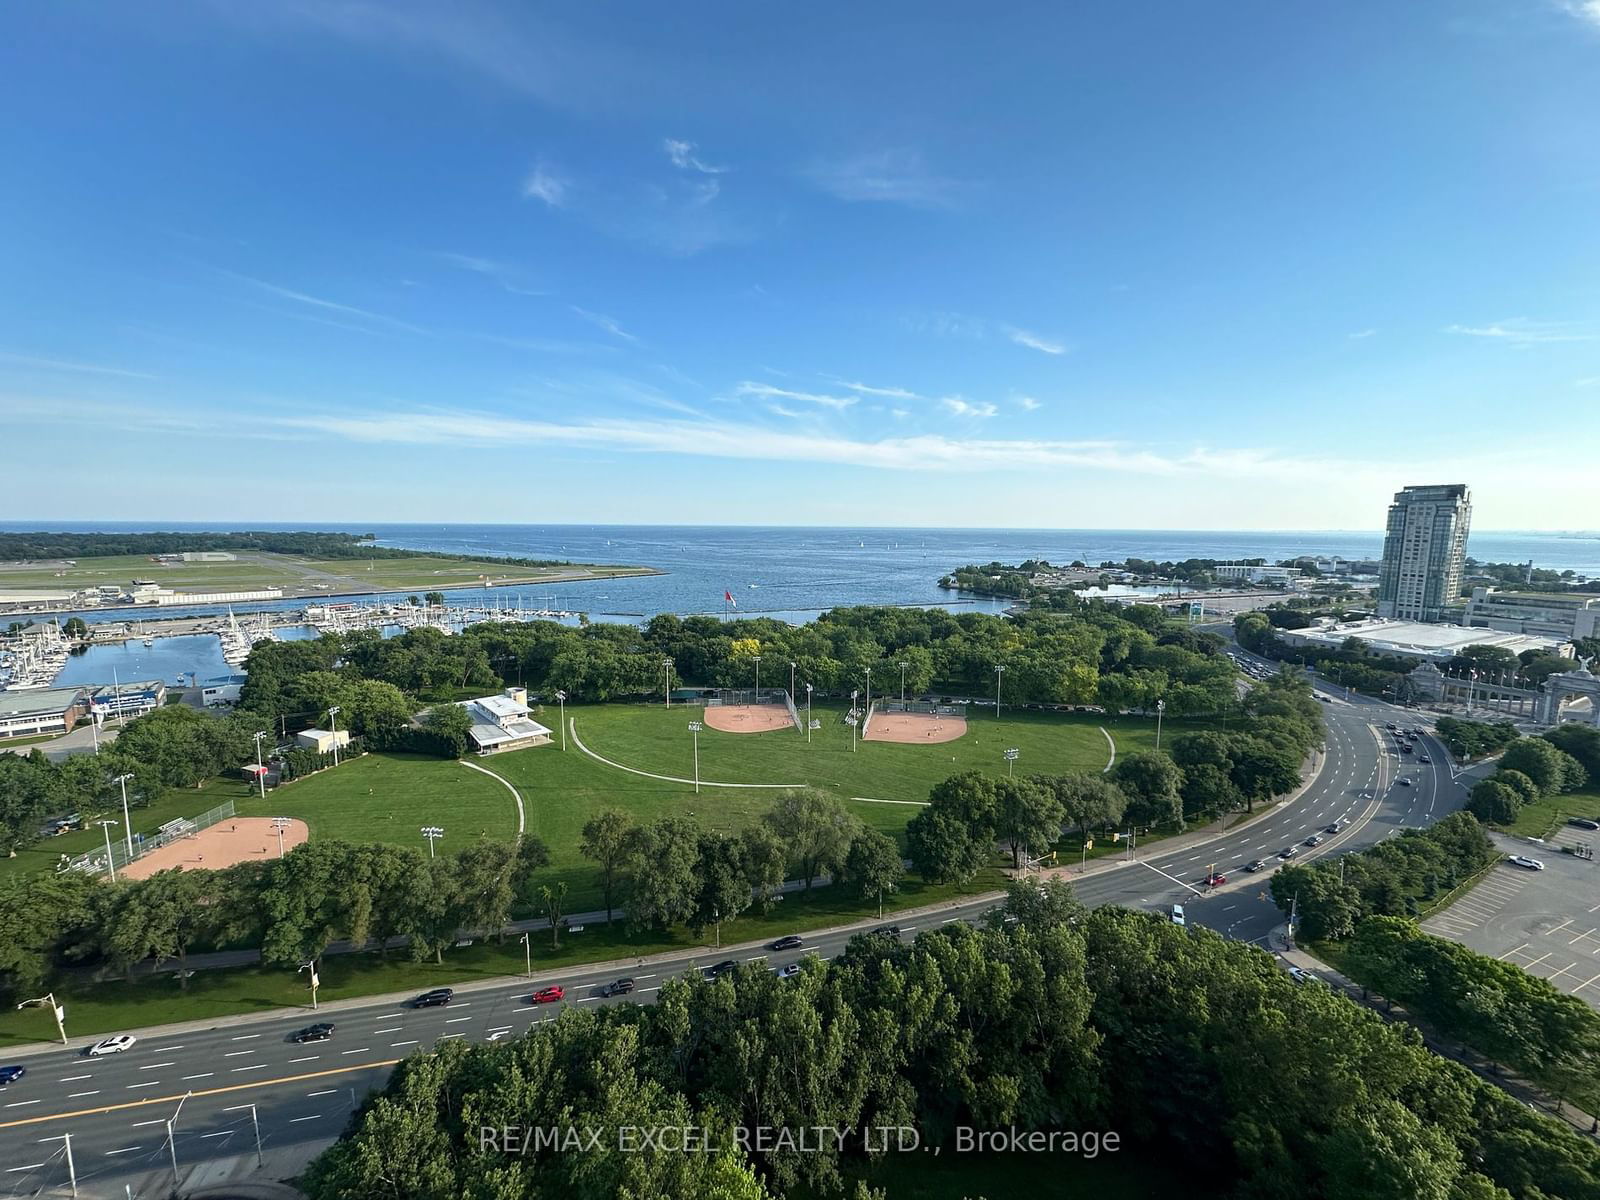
[333, 728]
[666, 683]
[903, 684]
[122, 782]
[694, 731]
[316, 981]
[1161, 707]
[998, 671]
[111, 865]
[869, 690]
[1010, 756]
[791, 681]
[561, 698]
[433, 833]
[279, 824]
[261, 771]
[758, 674]
[56, 1010]
[808, 714]
[527, 946]
[851, 721]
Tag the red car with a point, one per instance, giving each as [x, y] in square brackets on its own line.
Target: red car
[1216, 880]
[548, 995]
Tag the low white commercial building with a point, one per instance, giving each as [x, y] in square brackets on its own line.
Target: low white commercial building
[164, 598]
[1418, 640]
[502, 722]
[132, 699]
[32, 712]
[1564, 615]
[322, 740]
[222, 690]
[1230, 573]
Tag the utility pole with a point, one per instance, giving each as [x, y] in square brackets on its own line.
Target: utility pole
[998, 671]
[257, 1125]
[791, 681]
[111, 866]
[333, 727]
[172, 1145]
[694, 731]
[758, 676]
[122, 781]
[261, 771]
[561, 698]
[869, 690]
[851, 721]
[72, 1169]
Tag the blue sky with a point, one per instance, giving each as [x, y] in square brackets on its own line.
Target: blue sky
[1251, 265]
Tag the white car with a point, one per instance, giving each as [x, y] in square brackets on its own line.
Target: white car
[1177, 915]
[789, 972]
[112, 1045]
[1522, 860]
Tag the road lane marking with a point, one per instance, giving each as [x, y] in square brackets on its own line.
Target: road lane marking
[75, 1095]
[224, 1133]
[391, 1029]
[312, 1117]
[237, 1053]
[202, 1075]
[168, 1049]
[153, 1066]
[29, 1167]
[124, 1150]
[410, 1043]
[73, 1078]
[142, 1124]
[456, 1020]
[251, 1067]
[146, 1083]
[307, 1058]
[442, 1036]
[328, 1092]
[23, 1103]
[244, 1037]
[357, 1050]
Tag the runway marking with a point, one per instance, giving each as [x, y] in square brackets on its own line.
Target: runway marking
[216, 1091]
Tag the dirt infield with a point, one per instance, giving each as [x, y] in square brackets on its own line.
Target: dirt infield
[234, 840]
[923, 729]
[747, 718]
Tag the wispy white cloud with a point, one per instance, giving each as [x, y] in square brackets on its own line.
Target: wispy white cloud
[546, 183]
[968, 408]
[318, 302]
[58, 364]
[1029, 403]
[507, 276]
[1361, 334]
[1035, 341]
[609, 324]
[896, 176]
[1591, 381]
[683, 156]
[1522, 332]
[766, 391]
[862, 389]
[1585, 10]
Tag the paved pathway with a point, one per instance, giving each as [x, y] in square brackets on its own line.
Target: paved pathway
[522, 822]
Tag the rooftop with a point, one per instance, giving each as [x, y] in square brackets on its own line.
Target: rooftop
[1417, 637]
[40, 700]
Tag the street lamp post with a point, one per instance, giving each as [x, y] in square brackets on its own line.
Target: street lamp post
[694, 732]
[111, 865]
[666, 683]
[58, 1011]
[72, 1168]
[333, 728]
[561, 698]
[1010, 757]
[261, 771]
[903, 684]
[122, 781]
[998, 671]
[433, 833]
[279, 824]
[1161, 707]
[527, 946]
[316, 981]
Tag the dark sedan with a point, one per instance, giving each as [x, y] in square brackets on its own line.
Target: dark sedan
[320, 1032]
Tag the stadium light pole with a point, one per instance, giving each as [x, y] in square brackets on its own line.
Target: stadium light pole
[999, 670]
[433, 833]
[561, 698]
[1010, 756]
[758, 676]
[808, 714]
[694, 732]
[666, 683]
[279, 824]
[110, 865]
[261, 771]
[851, 720]
[1161, 707]
[333, 728]
[903, 685]
[869, 687]
[122, 782]
[791, 680]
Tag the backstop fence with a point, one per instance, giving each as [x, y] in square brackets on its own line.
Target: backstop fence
[94, 862]
[927, 707]
[732, 696]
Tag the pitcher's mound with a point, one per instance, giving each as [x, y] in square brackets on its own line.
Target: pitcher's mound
[747, 718]
[924, 729]
[230, 841]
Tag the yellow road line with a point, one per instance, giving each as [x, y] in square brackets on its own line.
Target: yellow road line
[217, 1091]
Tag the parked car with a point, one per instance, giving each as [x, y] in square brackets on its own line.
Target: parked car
[1256, 865]
[617, 987]
[1526, 863]
[320, 1032]
[1216, 879]
[434, 999]
[791, 941]
[115, 1044]
[1177, 915]
[548, 995]
[1583, 823]
[11, 1074]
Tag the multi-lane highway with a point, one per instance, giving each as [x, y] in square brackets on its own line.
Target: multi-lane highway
[221, 1086]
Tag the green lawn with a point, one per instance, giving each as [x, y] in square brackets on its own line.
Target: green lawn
[44, 854]
[1545, 816]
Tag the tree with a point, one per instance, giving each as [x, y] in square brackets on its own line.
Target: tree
[605, 840]
[721, 891]
[485, 883]
[814, 828]
[447, 726]
[763, 862]
[1491, 800]
[1088, 801]
[1150, 780]
[75, 627]
[942, 848]
[435, 599]
[1582, 742]
[661, 862]
[1027, 817]
[553, 898]
[1551, 769]
[872, 866]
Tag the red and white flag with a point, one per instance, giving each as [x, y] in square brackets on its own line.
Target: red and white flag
[728, 596]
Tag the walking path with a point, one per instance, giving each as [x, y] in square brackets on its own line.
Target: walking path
[515, 795]
[573, 723]
[1111, 743]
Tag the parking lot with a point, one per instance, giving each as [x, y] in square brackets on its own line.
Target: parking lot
[1547, 922]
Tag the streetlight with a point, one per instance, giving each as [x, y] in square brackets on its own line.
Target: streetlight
[315, 980]
[1010, 756]
[72, 1169]
[172, 1145]
[111, 866]
[122, 781]
[694, 731]
[527, 947]
[333, 728]
[808, 714]
[561, 698]
[666, 683]
[58, 1011]
[791, 680]
[903, 684]
[261, 771]
[998, 671]
[1161, 707]
[279, 824]
[433, 833]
